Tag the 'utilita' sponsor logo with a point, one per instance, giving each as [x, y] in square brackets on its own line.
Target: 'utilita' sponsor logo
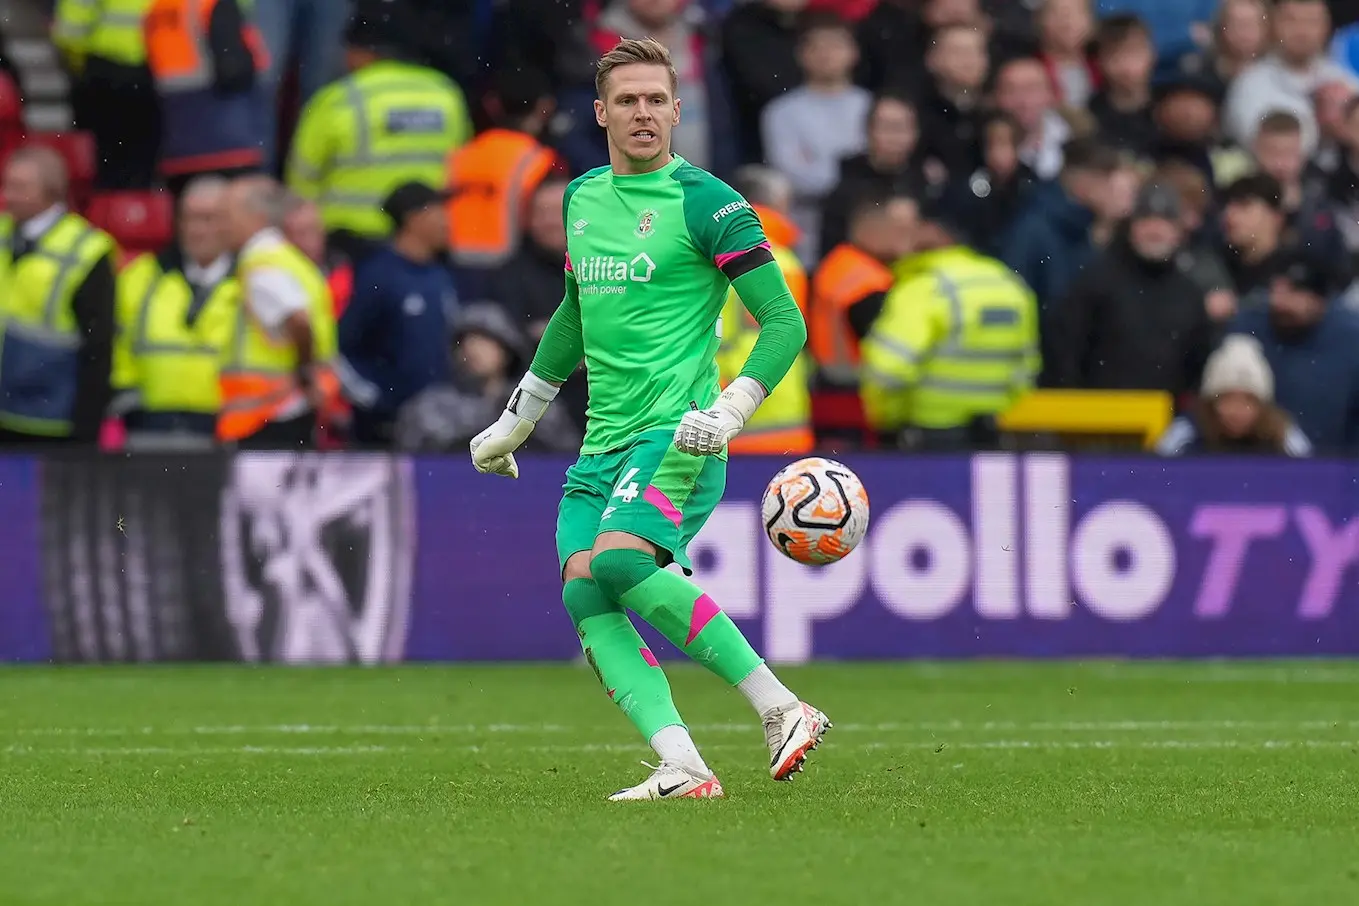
[594, 274]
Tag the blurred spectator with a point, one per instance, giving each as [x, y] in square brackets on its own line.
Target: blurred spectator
[1134, 320]
[177, 311]
[783, 423]
[1309, 342]
[987, 201]
[112, 94]
[302, 226]
[1253, 222]
[1204, 263]
[1240, 35]
[530, 285]
[549, 35]
[1122, 106]
[1051, 241]
[890, 165]
[951, 102]
[456, 37]
[1185, 112]
[1235, 412]
[850, 287]
[760, 58]
[394, 334]
[1177, 27]
[955, 345]
[1023, 91]
[809, 130]
[56, 307]
[1278, 152]
[489, 356]
[704, 134]
[898, 34]
[1285, 79]
[1065, 28]
[206, 59]
[308, 33]
[278, 381]
[1329, 103]
[1343, 184]
[388, 123]
[493, 177]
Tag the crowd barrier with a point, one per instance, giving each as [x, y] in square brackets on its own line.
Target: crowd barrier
[368, 558]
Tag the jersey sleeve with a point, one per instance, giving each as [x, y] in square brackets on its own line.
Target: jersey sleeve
[722, 224]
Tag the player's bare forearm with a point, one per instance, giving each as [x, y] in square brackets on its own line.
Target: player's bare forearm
[562, 346]
[783, 332]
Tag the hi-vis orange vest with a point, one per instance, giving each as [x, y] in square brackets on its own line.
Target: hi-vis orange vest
[491, 179]
[846, 276]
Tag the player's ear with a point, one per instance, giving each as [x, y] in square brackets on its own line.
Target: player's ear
[599, 113]
[675, 120]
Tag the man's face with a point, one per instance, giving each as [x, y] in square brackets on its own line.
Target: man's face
[655, 13]
[25, 197]
[1237, 411]
[828, 54]
[1186, 116]
[482, 356]
[1280, 155]
[545, 226]
[892, 133]
[305, 230]
[1001, 149]
[1329, 102]
[1129, 65]
[942, 13]
[1112, 195]
[1294, 308]
[1249, 222]
[959, 58]
[1065, 25]
[202, 226]
[430, 225]
[1301, 29]
[1155, 238]
[1023, 92]
[639, 112]
[1244, 31]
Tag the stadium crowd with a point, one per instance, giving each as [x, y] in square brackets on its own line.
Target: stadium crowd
[970, 199]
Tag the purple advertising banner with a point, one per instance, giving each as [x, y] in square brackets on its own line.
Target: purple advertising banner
[1036, 555]
[365, 558]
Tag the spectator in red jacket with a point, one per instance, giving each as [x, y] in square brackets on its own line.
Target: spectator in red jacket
[1065, 28]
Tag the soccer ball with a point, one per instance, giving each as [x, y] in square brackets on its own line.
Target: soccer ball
[815, 511]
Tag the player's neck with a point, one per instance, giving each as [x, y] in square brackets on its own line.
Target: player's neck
[622, 166]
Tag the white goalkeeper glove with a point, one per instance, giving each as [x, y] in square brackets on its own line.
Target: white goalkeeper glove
[703, 432]
[493, 449]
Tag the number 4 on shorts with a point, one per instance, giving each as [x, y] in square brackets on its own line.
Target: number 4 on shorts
[627, 490]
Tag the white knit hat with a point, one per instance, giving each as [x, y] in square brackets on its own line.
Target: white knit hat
[1238, 364]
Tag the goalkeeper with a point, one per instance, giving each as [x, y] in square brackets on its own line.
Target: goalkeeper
[653, 244]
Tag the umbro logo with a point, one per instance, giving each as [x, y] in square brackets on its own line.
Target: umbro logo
[580, 225]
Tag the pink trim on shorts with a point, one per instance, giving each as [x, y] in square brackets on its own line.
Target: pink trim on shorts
[656, 497]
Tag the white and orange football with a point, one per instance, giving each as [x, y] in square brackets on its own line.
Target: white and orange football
[815, 511]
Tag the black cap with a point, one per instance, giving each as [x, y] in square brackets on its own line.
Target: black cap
[1255, 187]
[1307, 269]
[411, 198]
[1156, 200]
[380, 25]
[1187, 83]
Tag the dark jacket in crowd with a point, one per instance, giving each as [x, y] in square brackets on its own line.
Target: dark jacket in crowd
[1133, 131]
[1050, 243]
[529, 286]
[1251, 279]
[984, 209]
[859, 179]
[759, 56]
[394, 337]
[1316, 374]
[948, 133]
[1127, 323]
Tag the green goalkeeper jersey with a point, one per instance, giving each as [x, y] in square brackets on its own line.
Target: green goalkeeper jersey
[645, 263]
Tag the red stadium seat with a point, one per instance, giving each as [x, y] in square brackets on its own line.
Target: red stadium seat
[139, 221]
[841, 413]
[11, 113]
[77, 150]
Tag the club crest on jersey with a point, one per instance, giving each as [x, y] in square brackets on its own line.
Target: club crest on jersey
[646, 223]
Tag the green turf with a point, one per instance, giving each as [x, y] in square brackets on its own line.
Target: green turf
[964, 784]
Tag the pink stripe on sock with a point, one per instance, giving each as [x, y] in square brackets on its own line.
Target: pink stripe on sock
[656, 498]
[726, 258]
[649, 657]
[705, 608]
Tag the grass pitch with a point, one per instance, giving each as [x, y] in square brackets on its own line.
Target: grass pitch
[967, 784]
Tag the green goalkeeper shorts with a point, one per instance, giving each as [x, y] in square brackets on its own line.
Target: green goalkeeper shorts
[649, 489]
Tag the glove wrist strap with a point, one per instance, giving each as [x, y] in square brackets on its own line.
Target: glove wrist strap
[531, 398]
[744, 395]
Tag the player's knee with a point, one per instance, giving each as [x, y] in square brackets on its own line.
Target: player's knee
[577, 567]
[618, 570]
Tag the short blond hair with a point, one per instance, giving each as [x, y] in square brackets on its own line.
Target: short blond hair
[648, 51]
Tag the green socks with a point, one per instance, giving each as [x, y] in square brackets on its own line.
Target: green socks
[625, 666]
[678, 609]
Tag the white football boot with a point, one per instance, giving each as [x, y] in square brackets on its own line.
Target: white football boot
[672, 781]
[791, 734]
